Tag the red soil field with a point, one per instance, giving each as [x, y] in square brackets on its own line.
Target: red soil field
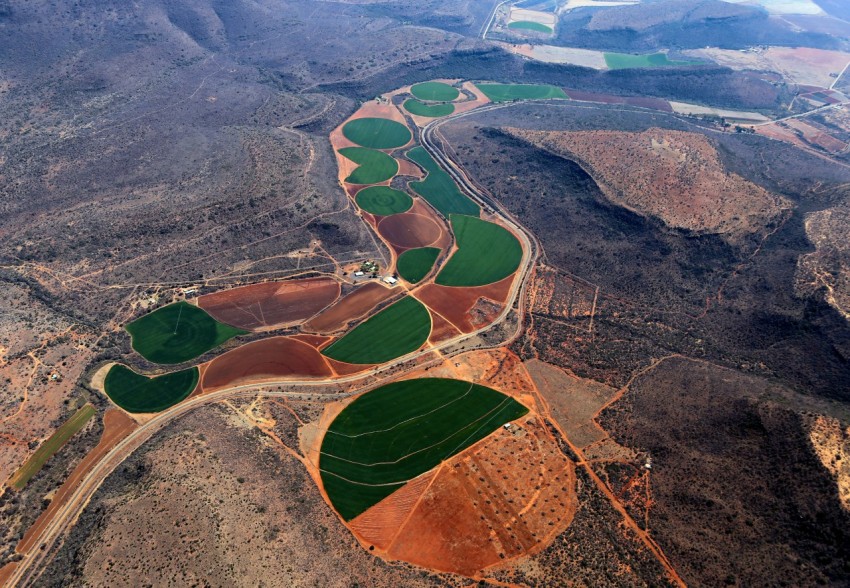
[441, 330]
[346, 369]
[270, 305]
[506, 496]
[313, 340]
[409, 230]
[116, 425]
[456, 304]
[350, 307]
[654, 103]
[269, 359]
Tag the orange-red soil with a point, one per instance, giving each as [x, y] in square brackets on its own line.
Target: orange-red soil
[409, 230]
[116, 426]
[441, 330]
[346, 369]
[271, 305]
[268, 359]
[458, 305]
[506, 496]
[349, 308]
[313, 340]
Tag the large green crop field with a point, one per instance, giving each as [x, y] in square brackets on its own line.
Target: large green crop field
[375, 166]
[53, 443]
[627, 61]
[177, 333]
[530, 26]
[377, 133]
[438, 188]
[383, 200]
[486, 253]
[430, 110]
[397, 330]
[399, 431]
[435, 91]
[414, 264]
[137, 393]
[508, 92]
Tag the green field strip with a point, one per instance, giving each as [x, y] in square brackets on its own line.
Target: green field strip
[429, 110]
[383, 200]
[177, 333]
[374, 166]
[53, 444]
[438, 188]
[140, 394]
[377, 133]
[399, 431]
[508, 92]
[435, 92]
[628, 61]
[486, 253]
[397, 330]
[414, 264]
[530, 26]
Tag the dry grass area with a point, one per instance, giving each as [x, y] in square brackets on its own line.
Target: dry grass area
[672, 175]
[797, 65]
[827, 269]
[831, 443]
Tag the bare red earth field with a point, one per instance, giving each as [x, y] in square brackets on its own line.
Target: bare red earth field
[351, 307]
[409, 230]
[268, 359]
[270, 305]
[456, 304]
[654, 103]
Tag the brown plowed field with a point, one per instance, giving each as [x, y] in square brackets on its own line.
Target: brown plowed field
[116, 425]
[270, 305]
[409, 230]
[313, 340]
[267, 359]
[654, 103]
[457, 304]
[349, 308]
[506, 496]
[408, 168]
[346, 369]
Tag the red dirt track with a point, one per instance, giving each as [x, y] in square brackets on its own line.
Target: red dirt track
[268, 359]
[349, 308]
[269, 305]
[409, 230]
[456, 304]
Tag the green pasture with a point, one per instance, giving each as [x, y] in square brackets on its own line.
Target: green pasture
[414, 264]
[438, 188]
[508, 92]
[430, 110]
[377, 133]
[435, 92]
[530, 26]
[177, 333]
[374, 166]
[383, 200]
[137, 393]
[486, 253]
[397, 330]
[627, 61]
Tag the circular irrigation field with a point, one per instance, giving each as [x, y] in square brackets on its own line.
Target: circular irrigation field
[435, 92]
[428, 110]
[377, 133]
[140, 394]
[383, 200]
[392, 434]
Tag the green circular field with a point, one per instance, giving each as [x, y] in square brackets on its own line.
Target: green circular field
[177, 333]
[435, 91]
[486, 253]
[383, 200]
[414, 264]
[394, 433]
[430, 110]
[530, 26]
[377, 133]
[137, 393]
[375, 166]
